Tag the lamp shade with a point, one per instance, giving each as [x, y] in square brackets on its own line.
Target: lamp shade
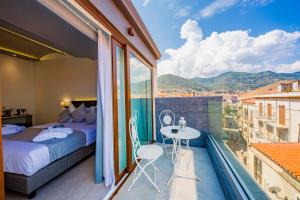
[62, 103]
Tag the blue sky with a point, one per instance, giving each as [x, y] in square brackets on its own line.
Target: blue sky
[246, 22]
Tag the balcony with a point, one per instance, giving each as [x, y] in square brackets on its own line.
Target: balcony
[213, 159]
[200, 165]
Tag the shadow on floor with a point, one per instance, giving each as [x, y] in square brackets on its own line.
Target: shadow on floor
[75, 184]
[180, 188]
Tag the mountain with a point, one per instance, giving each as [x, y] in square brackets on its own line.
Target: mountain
[238, 81]
[170, 81]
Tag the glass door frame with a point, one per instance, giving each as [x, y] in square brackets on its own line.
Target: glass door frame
[115, 43]
[127, 52]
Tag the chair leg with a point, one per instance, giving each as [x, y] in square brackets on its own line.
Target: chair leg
[155, 168]
[135, 178]
[149, 178]
[165, 147]
[142, 170]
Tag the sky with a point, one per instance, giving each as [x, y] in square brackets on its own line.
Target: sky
[204, 38]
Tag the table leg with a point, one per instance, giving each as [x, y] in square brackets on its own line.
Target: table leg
[174, 150]
[175, 163]
[190, 152]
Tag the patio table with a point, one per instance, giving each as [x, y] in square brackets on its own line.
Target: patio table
[187, 134]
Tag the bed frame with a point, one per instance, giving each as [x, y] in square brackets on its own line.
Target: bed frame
[28, 185]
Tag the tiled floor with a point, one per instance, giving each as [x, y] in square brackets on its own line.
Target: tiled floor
[76, 184]
[180, 188]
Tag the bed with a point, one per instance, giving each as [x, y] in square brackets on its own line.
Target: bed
[29, 165]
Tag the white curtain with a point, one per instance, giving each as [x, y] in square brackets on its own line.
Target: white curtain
[106, 99]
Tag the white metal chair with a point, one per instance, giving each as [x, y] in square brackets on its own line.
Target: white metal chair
[166, 118]
[149, 153]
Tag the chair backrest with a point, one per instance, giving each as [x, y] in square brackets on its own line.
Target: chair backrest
[166, 118]
[134, 136]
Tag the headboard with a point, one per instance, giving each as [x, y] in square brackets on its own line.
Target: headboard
[87, 103]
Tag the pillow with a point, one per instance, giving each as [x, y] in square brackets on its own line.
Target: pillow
[71, 108]
[79, 114]
[91, 117]
[65, 116]
[92, 108]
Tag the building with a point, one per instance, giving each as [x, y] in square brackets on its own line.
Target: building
[274, 112]
[278, 116]
[270, 122]
[274, 167]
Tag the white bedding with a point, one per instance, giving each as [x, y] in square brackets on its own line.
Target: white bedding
[88, 129]
[28, 157]
[52, 133]
[24, 157]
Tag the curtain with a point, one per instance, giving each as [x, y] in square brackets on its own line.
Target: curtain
[104, 148]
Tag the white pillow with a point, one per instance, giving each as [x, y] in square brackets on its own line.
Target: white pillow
[71, 108]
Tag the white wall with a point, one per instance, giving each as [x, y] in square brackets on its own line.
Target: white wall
[62, 78]
[17, 83]
[40, 86]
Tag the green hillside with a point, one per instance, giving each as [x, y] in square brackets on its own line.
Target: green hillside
[240, 81]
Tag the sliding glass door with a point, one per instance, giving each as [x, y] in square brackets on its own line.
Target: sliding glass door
[120, 141]
[132, 97]
[141, 98]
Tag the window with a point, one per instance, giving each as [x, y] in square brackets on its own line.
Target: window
[251, 115]
[245, 113]
[257, 170]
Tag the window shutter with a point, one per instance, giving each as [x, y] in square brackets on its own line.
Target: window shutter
[282, 115]
[260, 109]
[269, 110]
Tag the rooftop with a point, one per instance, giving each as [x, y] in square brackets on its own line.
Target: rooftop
[285, 155]
[281, 95]
[248, 101]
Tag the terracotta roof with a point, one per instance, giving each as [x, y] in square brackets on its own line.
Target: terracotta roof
[268, 89]
[248, 101]
[285, 155]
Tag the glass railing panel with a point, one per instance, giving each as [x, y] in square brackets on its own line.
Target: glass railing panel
[238, 136]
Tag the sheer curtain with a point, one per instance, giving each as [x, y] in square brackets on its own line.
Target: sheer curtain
[104, 148]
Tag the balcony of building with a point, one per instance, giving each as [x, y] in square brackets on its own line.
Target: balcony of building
[214, 158]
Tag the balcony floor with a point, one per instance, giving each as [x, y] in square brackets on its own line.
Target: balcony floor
[180, 188]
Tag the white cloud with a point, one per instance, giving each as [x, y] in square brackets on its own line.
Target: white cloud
[183, 12]
[255, 3]
[219, 6]
[146, 2]
[276, 50]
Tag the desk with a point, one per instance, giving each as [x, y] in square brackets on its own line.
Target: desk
[22, 120]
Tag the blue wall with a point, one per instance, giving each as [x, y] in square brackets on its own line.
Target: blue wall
[193, 109]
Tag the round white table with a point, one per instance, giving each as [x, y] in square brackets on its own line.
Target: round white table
[186, 134]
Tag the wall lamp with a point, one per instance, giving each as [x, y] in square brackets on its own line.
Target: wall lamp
[64, 104]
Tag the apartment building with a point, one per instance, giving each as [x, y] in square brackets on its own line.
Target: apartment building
[278, 116]
[273, 116]
[270, 119]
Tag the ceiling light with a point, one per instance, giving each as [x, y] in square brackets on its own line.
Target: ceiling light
[15, 53]
[37, 42]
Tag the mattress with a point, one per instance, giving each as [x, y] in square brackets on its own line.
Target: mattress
[22, 156]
